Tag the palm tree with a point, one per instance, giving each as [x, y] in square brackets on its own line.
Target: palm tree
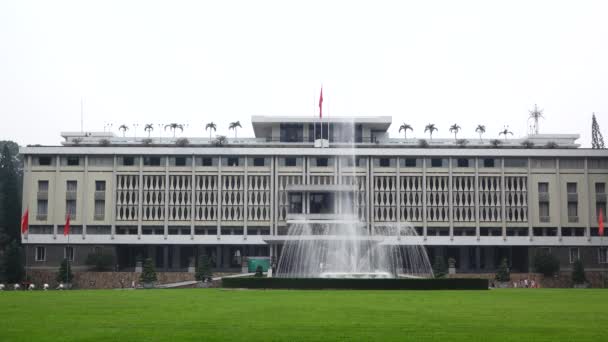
[123, 128]
[455, 128]
[481, 129]
[211, 126]
[505, 132]
[149, 128]
[174, 127]
[431, 128]
[405, 127]
[234, 125]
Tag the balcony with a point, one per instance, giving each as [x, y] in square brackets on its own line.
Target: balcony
[600, 197]
[99, 217]
[544, 219]
[572, 197]
[43, 195]
[543, 197]
[41, 217]
[572, 219]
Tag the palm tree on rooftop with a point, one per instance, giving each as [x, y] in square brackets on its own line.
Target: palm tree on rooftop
[481, 129]
[211, 126]
[430, 128]
[234, 125]
[149, 128]
[455, 129]
[174, 127]
[505, 132]
[123, 128]
[405, 127]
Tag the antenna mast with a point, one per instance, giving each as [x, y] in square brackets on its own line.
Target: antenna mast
[535, 115]
[81, 116]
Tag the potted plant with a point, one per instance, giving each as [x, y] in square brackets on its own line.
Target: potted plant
[65, 275]
[503, 274]
[578, 275]
[203, 270]
[148, 275]
[451, 266]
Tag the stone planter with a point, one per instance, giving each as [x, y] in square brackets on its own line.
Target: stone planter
[149, 285]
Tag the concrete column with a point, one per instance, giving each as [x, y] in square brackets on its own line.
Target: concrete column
[503, 199]
[589, 201]
[424, 221]
[165, 258]
[219, 198]
[245, 198]
[140, 195]
[175, 262]
[218, 256]
[85, 197]
[114, 197]
[477, 228]
[529, 195]
[166, 223]
[478, 258]
[450, 199]
[226, 258]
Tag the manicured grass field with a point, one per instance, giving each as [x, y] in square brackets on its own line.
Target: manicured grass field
[281, 315]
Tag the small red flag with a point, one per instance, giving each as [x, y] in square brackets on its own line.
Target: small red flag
[25, 221]
[600, 223]
[66, 228]
[321, 104]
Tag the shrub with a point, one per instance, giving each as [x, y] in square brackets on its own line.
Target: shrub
[65, 273]
[259, 271]
[148, 274]
[462, 142]
[146, 141]
[527, 144]
[182, 142]
[203, 269]
[551, 144]
[578, 273]
[104, 142]
[422, 143]
[503, 274]
[546, 263]
[76, 141]
[220, 140]
[100, 262]
[495, 143]
[440, 270]
[12, 270]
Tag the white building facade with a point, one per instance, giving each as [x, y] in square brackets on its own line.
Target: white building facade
[170, 199]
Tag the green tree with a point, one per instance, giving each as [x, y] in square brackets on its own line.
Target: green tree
[455, 129]
[234, 126]
[259, 271]
[404, 127]
[10, 193]
[578, 273]
[211, 127]
[440, 270]
[481, 129]
[65, 272]
[503, 274]
[430, 128]
[203, 269]
[546, 263]
[12, 263]
[148, 274]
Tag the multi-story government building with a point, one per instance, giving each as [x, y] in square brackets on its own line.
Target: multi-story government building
[172, 199]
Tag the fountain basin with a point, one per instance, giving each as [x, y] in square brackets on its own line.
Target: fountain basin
[356, 275]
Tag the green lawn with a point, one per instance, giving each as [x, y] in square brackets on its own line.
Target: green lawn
[252, 315]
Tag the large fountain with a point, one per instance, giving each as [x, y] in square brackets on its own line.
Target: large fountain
[337, 244]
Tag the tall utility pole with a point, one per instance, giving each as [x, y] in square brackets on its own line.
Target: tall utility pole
[597, 140]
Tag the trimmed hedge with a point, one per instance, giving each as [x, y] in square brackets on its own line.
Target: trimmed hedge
[356, 284]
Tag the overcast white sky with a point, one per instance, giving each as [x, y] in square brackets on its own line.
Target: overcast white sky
[442, 62]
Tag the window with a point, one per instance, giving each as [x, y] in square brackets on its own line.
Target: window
[100, 209]
[70, 208]
[410, 162]
[600, 188]
[543, 187]
[295, 203]
[207, 162]
[436, 162]
[572, 212]
[68, 253]
[44, 161]
[291, 161]
[40, 253]
[603, 255]
[598, 163]
[258, 162]
[572, 164]
[574, 254]
[180, 161]
[128, 161]
[152, 161]
[73, 161]
[543, 211]
[98, 250]
[322, 162]
[100, 185]
[571, 188]
[544, 163]
[291, 133]
[488, 162]
[232, 161]
[463, 162]
[516, 162]
[42, 209]
[43, 186]
[385, 162]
